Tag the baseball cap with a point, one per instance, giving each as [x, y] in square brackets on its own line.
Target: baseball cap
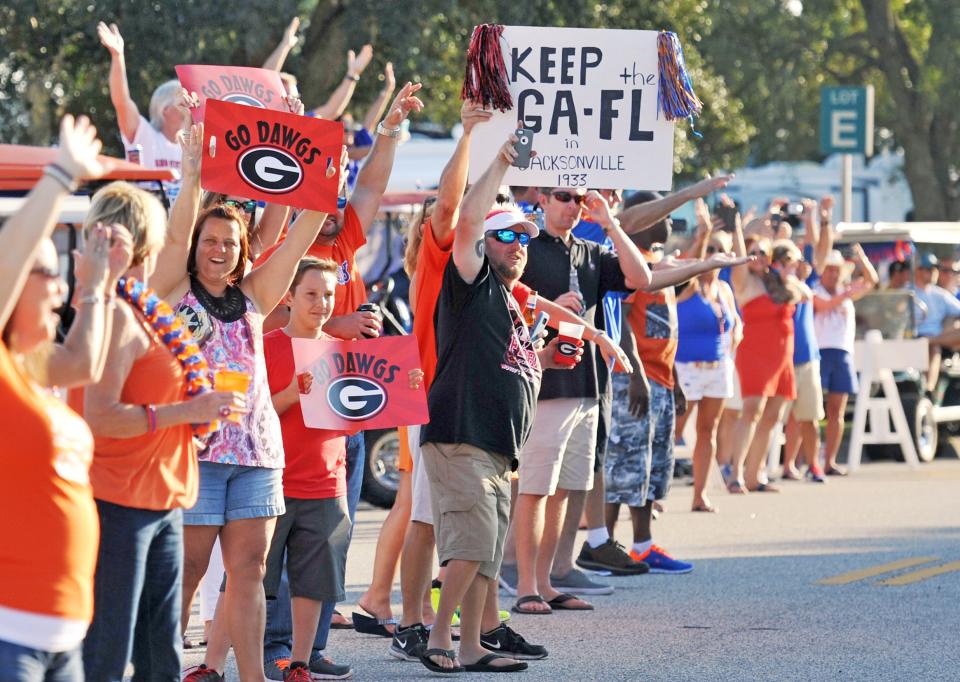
[509, 216]
[898, 266]
[928, 261]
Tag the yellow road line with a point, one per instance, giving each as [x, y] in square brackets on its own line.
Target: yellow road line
[862, 574]
[923, 574]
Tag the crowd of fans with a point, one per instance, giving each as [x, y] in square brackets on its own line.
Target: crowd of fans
[185, 459]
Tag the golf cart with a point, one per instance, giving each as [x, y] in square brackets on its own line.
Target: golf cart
[934, 419]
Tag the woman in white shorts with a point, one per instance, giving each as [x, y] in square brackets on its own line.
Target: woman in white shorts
[709, 331]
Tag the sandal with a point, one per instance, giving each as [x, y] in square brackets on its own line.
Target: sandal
[764, 488]
[559, 603]
[371, 625]
[705, 507]
[339, 622]
[433, 667]
[483, 665]
[530, 598]
[736, 487]
[791, 475]
[835, 471]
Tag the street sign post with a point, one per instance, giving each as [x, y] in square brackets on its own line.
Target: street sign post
[846, 127]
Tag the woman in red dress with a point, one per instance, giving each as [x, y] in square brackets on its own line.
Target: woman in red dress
[766, 290]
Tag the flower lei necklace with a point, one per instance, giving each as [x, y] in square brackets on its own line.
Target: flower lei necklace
[175, 336]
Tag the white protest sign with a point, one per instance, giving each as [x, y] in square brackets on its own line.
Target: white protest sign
[590, 96]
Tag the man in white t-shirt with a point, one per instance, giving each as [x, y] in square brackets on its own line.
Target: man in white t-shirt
[157, 138]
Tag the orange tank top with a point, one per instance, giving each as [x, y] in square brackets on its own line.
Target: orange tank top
[156, 471]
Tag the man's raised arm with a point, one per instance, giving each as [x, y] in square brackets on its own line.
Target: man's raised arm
[468, 238]
[646, 215]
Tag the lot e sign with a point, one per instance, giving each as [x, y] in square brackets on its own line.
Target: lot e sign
[846, 120]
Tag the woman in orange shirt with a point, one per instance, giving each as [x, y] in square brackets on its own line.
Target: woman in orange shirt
[48, 537]
[144, 471]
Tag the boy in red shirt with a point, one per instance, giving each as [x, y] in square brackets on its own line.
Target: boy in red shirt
[314, 533]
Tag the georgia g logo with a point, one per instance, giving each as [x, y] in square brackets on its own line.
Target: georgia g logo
[356, 398]
[567, 348]
[269, 169]
[239, 98]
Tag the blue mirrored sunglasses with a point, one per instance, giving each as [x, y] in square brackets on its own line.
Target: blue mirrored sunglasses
[508, 236]
[341, 202]
[248, 206]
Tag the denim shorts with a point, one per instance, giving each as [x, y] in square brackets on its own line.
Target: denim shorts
[837, 374]
[229, 492]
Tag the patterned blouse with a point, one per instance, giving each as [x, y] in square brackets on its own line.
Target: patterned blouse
[238, 346]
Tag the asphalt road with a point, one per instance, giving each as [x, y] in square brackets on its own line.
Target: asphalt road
[886, 541]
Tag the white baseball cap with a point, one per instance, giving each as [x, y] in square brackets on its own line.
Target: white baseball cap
[509, 216]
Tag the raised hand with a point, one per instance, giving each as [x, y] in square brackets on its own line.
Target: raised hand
[92, 265]
[191, 144]
[290, 34]
[110, 38]
[597, 209]
[402, 105]
[357, 63]
[472, 113]
[709, 185]
[79, 149]
[389, 80]
[344, 163]
[294, 105]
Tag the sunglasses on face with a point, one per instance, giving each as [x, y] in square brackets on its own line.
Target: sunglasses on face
[656, 247]
[503, 199]
[756, 253]
[716, 249]
[507, 236]
[46, 272]
[567, 197]
[249, 206]
[341, 203]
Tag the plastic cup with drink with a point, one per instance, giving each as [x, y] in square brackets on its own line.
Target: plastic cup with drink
[236, 382]
[569, 342]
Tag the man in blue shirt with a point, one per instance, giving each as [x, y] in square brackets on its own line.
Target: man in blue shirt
[939, 303]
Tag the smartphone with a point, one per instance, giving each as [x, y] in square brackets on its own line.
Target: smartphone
[728, 214]
[523, 146]
[539, 326]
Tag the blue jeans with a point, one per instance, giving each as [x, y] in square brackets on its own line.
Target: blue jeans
[23, 664]
[278, 634]
[137, 595]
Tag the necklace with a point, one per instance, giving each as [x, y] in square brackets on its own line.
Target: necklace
[175, 336]
[229, 308]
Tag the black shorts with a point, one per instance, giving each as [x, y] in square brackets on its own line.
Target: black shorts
[603, 427]
[314, 536]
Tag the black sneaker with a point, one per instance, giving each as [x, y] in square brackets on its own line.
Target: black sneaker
[505, 641]
[323, 668]
[610, 556]
[409, 642]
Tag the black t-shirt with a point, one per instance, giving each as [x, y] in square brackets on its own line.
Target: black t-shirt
[548, 273]
[488, 374]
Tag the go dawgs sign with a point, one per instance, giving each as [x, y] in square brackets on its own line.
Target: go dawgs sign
[360, 384]
[261, 88]
[273, 156]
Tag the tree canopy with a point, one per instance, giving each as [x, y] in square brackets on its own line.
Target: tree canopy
[758, 65]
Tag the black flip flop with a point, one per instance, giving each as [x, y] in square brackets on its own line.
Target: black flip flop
[340, 626]
[560, 603]
[371, 625]
[433, 667]
[483, 665]
[518, 607]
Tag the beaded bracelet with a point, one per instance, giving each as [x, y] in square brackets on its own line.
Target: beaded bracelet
[61, 176]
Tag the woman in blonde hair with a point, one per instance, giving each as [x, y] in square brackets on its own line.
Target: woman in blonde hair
[48, 537]
[144, 471]
[766, 291]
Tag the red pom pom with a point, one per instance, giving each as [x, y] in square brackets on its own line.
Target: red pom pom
[485, 80]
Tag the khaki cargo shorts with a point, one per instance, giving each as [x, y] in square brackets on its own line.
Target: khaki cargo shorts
[470, 496]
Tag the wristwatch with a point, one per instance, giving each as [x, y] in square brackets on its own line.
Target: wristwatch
[387, 132]
[352, 77]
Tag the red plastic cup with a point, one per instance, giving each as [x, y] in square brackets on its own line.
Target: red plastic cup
[570, 340]
[302, 382]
